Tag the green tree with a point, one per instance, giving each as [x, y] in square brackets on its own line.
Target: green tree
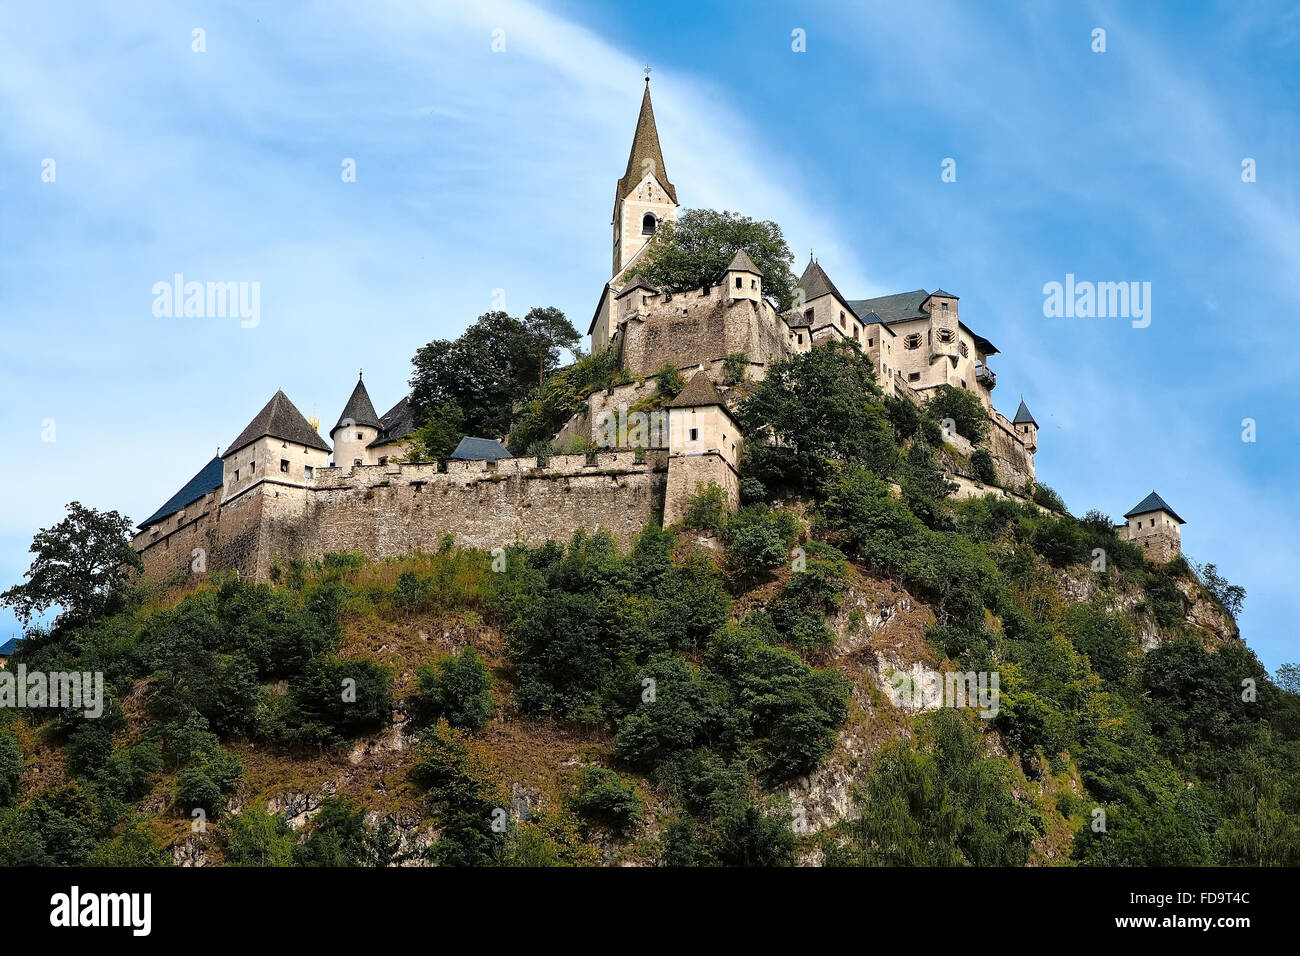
[258, 838]
[83, 565]
[813, 410]
[966, 411]
[457, 688]
[695, 251]
[496, 363]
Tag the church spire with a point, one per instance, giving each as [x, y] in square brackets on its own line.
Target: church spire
[645, 146]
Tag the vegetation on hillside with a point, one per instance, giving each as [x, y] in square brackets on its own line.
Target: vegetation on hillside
[694, 687]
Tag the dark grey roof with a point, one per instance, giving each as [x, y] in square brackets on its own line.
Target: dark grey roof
[1022, 416]
[278, 419]
[208, 479]
[638, 284]
[1152, 502]
[645, 145]
[698, 393]
[359, 410]
[946, 295]
[816, 283]
[480, 449]
[872, 318]
[396, 423]
[11, 645]
[741, 262]
[893, 308]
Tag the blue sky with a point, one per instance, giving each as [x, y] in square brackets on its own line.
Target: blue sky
[481, 170]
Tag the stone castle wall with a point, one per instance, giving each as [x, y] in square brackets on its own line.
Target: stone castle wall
[387, 510]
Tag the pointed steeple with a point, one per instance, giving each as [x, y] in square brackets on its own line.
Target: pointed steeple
[1022, 415]
[741, 262]
[816, 283]
[645, 146]
[359, 410]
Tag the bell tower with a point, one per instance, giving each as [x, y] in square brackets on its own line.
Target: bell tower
[644, 198]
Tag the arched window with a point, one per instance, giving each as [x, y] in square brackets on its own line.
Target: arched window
[648, 224]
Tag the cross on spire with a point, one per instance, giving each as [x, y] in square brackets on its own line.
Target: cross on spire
[646, 71]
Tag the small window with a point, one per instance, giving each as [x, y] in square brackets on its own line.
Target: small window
[308, 471]
[842, 320]
[753, 283]
[808, 316]
[913, 341]
[945, 335]
[356, 461]
[648, 224]
[284, 465]
[870, 342]
[965, 352]
[383, 460]
[359, 438]
[695, 434]
[740, 282]
[943, 306]
[800, 337]
[236, 474]
[914, 376]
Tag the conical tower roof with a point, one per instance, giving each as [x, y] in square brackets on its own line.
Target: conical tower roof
[1022, 415]
[359, 410]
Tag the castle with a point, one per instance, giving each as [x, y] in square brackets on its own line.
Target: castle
[280, 492]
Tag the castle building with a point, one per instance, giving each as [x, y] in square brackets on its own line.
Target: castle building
[1155, 527]
[280, 492]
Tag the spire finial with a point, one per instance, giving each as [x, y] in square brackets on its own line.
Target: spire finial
[360, 372]
[646, 71]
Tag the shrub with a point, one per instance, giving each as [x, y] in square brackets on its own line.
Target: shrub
[605, 798]
[707, 509]
[966, 411]
[258, 838]
[458, 688]
[981, 466]
[733, 368]
[669, 381]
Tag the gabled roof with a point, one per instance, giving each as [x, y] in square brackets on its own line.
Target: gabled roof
[645, 145]
[480, 449]
[741, 262]
[1152, 502]
[1022, 415]
[278, 419]
[893, 308]
[700, 392]
[396, 423]
[359, 410]
[816, 283]
[11, 645]
[208, 479]
[638, 284]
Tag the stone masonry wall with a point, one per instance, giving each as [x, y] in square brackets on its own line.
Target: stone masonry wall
[387, 510]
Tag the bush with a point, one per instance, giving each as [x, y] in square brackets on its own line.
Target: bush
[11, 768]
[258, 838]
[981, 466]
[733, 368]
[195, 790]
[758, 537]
[605, 798]
[707, 509]
[966, 411]
[669, 381]
[334, 699]
[458, 688]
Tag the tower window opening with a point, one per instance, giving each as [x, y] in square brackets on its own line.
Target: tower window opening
[284, 465]
[648, 224]
[740, 283]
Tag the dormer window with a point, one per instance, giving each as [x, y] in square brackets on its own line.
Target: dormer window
[648, 224]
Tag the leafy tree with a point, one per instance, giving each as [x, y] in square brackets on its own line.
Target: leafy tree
[11, 768]
[981, 466]
[495, 363]
[813, 410]
[942, 804]
[561, 396]
[605, 798]
[134, 846]
[438, 435]
[458, 688]
[966, 411]
[83, 565]
[258, 838]
[1230, 596]
[338, 837]
[695, 251]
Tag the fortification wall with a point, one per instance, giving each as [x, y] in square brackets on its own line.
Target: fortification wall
[695, 327]
[387, 510]
[1013, 464]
